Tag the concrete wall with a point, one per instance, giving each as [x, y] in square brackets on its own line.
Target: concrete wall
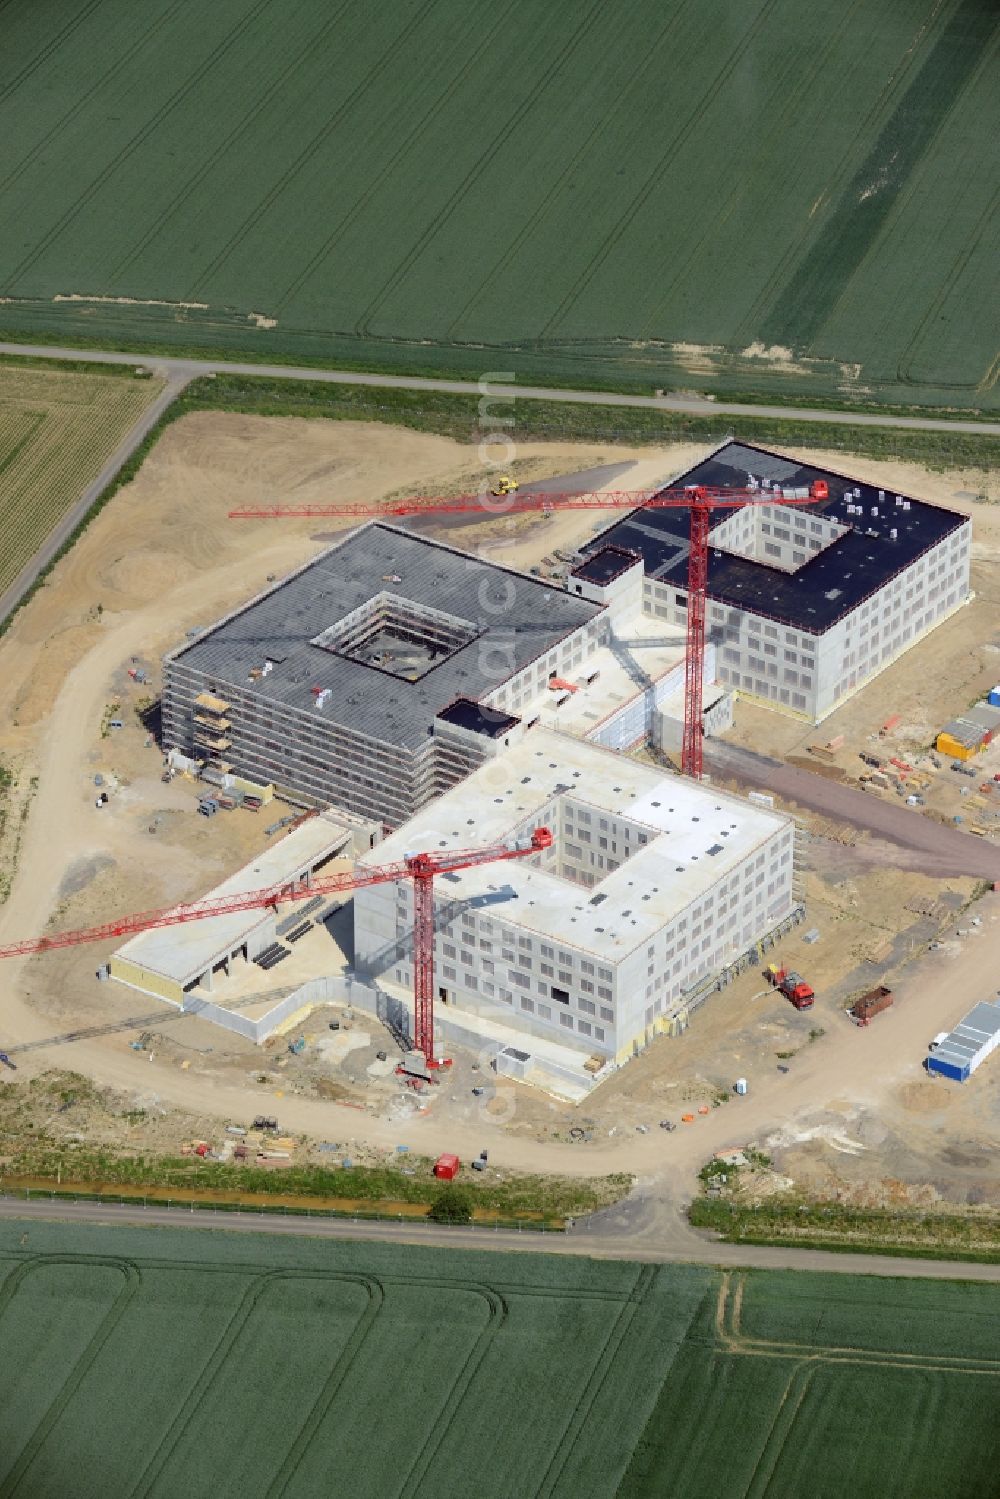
[807, 675]
[146, 980]
[635, 720]
[558, 988]
[668, 726]
[315, 992]
[562, 659]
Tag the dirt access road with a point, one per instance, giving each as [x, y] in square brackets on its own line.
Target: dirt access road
[700, 1251]
[851, 1065]
[187, 369]
[940, 850]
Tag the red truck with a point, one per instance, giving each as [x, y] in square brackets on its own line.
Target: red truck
[792, 985]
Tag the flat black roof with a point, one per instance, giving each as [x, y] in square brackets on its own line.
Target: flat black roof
[517, 618]
[606, 564]
[466, 714]
[828, 585]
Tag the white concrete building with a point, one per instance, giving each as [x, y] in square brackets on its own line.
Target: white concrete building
[652, 886]
[806, 602]
[182, 963]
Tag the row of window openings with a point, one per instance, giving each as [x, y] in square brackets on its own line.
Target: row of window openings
[528, 1005]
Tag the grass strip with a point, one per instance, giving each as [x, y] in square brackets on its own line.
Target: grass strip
[459, 417]
[400, 359]
[901, 1232]
[382, 1213]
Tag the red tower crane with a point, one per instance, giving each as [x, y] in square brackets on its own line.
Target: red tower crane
[699, 499]
[419, 867]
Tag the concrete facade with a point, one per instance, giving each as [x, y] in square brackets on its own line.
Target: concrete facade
[169, 962]
[653, 884]
[806, 602]
[810, 674]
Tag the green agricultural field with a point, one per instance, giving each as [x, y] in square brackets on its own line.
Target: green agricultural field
[57, 430]
[198, 1363]
[771, 196]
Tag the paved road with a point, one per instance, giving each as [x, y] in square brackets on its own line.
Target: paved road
[176, 381]
[706, 1253]
[188, 368]
[941, 850]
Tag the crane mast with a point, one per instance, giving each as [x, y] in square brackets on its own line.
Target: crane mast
[699, 500]
[421, 868]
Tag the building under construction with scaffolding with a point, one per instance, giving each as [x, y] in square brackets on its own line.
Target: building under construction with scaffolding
[378, 675]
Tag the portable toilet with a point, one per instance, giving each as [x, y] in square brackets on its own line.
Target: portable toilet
[446, 1167]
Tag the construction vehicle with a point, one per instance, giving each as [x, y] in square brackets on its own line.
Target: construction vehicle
[505, 485]
[702, 502]
[421, 868]
[792, 985]
[864, 1009]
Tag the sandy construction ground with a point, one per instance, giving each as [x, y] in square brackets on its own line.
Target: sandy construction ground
[162, 558]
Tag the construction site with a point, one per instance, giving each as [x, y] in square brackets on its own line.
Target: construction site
[571, 961]
[281, 966]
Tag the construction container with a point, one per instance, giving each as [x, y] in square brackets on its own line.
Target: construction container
[740, 1087]
[446, 1167]
[994, 698]
[871, 1004]
[958, 742]
[970, 1043]
[983, 717]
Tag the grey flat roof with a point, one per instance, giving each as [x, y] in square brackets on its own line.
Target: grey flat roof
[972, 1035]
[184, 952]
[982, 715]
[516, 618]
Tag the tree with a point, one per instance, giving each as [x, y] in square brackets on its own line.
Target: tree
[452, 1205]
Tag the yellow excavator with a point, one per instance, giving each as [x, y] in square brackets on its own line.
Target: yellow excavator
[505, 485]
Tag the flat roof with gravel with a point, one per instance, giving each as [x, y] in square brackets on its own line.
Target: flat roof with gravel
[431, 623]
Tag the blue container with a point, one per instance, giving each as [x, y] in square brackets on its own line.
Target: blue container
[994, 698]
[958, 1072]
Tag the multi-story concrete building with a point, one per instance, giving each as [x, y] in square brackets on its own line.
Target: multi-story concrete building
[806, 602]
[652, 886]
[377, 675]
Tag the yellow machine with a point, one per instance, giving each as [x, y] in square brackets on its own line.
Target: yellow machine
[505, 485]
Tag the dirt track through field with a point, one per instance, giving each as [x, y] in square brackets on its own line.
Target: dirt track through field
[940, 850]
[693, 1250]
[693, 405]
